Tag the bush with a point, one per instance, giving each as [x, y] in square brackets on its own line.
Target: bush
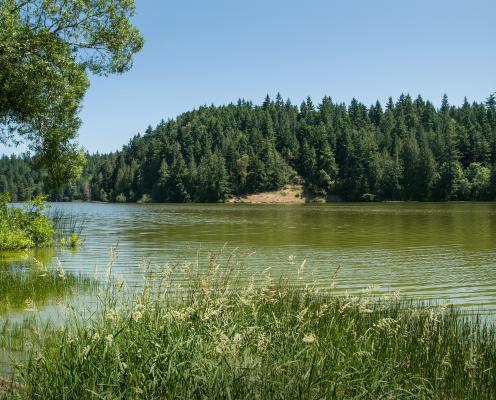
[368, 197]
[120, 198]
[26, 227]
[145, 198]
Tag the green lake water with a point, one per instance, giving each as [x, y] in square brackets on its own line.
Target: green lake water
[441, 251]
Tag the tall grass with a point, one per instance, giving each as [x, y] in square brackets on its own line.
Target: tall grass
[68, 227]
[213, 340]
[33, 286]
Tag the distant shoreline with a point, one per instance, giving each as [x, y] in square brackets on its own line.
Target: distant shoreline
[288, 195]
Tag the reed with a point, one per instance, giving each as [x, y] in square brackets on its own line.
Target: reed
[276, 340]
[34, 285]
[68, 227]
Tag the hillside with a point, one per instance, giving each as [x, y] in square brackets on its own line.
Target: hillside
[408, 150]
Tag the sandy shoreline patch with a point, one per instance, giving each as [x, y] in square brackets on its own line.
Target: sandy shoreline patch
[290, 194]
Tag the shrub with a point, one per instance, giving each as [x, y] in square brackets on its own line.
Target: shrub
[368, 197]
[120, 198]
[145, 198]
[26, 227]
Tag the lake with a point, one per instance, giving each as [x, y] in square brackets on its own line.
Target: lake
[442, 251]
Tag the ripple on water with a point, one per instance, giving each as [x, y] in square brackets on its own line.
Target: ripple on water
[442, 251]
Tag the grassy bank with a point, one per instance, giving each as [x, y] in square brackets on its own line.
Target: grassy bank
[211, 340]
[24, 228]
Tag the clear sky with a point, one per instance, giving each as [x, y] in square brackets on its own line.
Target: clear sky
[216, 51]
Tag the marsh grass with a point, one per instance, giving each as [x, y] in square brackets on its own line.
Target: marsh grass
[33, 286]
[276, 340]
[69, 227]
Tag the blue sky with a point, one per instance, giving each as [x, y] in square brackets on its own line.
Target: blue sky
[203, 52]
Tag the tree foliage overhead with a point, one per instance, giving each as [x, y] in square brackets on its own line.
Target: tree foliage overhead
[406, 150]
[47, 48]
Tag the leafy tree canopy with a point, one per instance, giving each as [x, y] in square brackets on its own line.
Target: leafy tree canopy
[47, 48]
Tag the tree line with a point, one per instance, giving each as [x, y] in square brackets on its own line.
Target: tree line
[406, 150]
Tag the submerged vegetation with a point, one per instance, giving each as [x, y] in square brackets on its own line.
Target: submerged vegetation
[407, 150]
[24, 228]
[275, 339]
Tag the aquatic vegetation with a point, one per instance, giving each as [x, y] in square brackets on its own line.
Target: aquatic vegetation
[68, 227]
[33, 286]
[72, 241]
[26, 227]
[206, 337]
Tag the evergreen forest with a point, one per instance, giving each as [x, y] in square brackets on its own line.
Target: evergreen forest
[405, 150]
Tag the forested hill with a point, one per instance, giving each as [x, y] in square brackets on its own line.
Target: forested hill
[406, 150]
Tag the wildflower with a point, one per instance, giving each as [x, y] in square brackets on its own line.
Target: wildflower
[109, 339]
[96, 337]
[136, 315]
[123, 366]
[309, 338]
[39, 266]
